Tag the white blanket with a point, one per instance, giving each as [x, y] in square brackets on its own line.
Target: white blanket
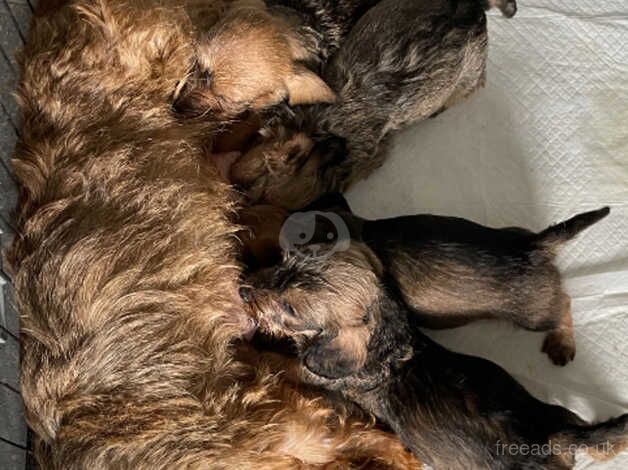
[546, 138]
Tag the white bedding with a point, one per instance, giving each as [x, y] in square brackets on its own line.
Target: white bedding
[546, 138]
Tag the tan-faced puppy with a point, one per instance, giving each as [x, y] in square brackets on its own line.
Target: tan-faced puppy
[355, 335]
[251, 59]
[335, 303]
[451, 271]
[126, 268]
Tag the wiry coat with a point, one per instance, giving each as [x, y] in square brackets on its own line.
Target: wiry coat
[125, 267]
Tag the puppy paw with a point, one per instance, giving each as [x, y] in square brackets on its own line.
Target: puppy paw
[507, 7]
[560, 347]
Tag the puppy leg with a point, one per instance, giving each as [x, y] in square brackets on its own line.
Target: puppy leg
[560, 344]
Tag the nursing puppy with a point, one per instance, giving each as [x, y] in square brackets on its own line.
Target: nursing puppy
[451, 271]
[353, 334]
[404, 61]
[252, 58]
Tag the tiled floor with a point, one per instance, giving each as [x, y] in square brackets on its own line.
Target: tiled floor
[14, 21]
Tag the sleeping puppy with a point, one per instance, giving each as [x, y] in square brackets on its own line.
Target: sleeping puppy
[404, 61]
[354, 335]
[253, 58]
[266, 172]
[451, 271]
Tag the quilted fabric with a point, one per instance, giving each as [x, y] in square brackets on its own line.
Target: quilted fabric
[546, 138]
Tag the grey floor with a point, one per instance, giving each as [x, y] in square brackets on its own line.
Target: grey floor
[14, 441]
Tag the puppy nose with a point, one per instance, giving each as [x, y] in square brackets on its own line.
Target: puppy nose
[246, 294]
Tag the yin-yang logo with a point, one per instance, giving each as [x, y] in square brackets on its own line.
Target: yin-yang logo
[314, 233]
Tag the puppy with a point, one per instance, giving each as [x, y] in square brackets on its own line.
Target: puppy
[403, 62]
[266, 171]
[451, 271]
[251, 59]
[354, 335]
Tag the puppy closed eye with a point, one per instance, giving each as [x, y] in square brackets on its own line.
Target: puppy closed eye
[205, 78]
[288, 309]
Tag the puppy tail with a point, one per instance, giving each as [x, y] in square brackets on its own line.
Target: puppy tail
[601, 441]
[565, 231]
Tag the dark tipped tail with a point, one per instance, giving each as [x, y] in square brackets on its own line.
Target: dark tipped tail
[564, 231]
[601, 441]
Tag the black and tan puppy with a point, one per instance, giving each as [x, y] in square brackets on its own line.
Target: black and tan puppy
[451, 271]
[354, 335]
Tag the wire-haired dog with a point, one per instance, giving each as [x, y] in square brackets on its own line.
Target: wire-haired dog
[452, 271]
[354, 334]
[126, 270]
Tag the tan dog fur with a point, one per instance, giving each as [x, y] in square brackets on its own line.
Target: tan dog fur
[125, 268]
[250, 60]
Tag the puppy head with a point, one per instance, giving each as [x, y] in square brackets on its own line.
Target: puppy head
[326, 305]
[286, 169]
[250, 60]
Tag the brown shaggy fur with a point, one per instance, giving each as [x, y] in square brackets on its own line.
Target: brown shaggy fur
[250, 59]
[125, 268]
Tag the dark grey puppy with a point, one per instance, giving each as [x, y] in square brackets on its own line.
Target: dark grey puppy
[402, 62]
[332, 20]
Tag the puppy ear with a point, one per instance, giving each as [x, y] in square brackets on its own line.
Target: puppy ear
[305, 87]
[337, 357]
[195, 100]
